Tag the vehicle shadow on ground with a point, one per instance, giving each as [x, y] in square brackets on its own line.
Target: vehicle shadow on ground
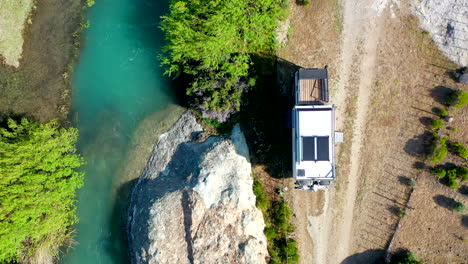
[266, 115]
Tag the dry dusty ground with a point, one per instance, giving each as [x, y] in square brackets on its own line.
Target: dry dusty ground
[383, 73]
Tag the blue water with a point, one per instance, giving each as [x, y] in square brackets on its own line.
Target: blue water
[117, 83]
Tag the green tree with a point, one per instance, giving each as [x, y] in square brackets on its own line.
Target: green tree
[211, 41]
[37, 186]
[439, 150]
[459, 149]
[458, 99]
[405, 257]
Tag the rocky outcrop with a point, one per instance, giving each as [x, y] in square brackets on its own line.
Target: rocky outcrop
[194, 203]
[446, 21]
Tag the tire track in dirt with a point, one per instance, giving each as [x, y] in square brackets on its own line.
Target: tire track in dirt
[358, 56]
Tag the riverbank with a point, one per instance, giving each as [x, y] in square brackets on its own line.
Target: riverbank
[40, 87]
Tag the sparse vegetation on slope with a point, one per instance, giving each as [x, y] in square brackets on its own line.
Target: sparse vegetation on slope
[212, 41]
[277, 215]
[37, 187]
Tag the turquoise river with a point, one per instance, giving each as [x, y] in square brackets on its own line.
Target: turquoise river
[118, 86]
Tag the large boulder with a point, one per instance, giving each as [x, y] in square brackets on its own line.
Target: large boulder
[446, 21]
[194, 203]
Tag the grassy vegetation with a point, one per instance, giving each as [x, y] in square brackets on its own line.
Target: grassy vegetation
[211, 42]
[277, 215]
[37, 187]
[13, 18]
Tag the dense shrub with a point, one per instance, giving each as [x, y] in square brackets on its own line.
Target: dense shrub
[277, 215]
[458, 99]
[443, 113]
[212, 41]
[458, 207]
[405, 257]
[439, 150]
[436, 124]
[303, 2]
[438, 171]
[459, 149]
[451, 175]
[37, 186]
[262, 201]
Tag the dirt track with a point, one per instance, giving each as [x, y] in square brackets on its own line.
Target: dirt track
[332, 229]
[378, 76]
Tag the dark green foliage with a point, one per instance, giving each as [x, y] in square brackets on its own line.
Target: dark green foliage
[405, 257]
[211, 41]
[438, 171]
[462, 173]
[459, 149]
[458, 99]
[451, 175]
[439, 150]
[458, 207]
[37, 186]
[303, 2]
[282, 217]
[262, 201]
[436, 124]
[277, 215]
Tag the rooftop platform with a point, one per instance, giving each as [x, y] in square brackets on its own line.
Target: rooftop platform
[311, 86]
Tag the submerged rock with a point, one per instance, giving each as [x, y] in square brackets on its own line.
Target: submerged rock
[194, 203]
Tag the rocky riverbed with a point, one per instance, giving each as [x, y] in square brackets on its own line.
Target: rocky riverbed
[194, 203]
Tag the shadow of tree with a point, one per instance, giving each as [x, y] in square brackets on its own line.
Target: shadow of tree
[369, 256]
[266, 114]
[444, 201]
[440, 93]
[420, 145]
[464, 220]
[463, 190]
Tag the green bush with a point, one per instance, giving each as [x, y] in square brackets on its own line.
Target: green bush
[277, 215]
[90, 3]
[262, 201]
[405, 257]
[443, 113]
[451, 175]
[439, 150]
[458, 99]
[436, 124]
[303, 2]
[458, 207]
[37, 186]
[211, 41]
[459, 149]
[462, 173]
[438, 171]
